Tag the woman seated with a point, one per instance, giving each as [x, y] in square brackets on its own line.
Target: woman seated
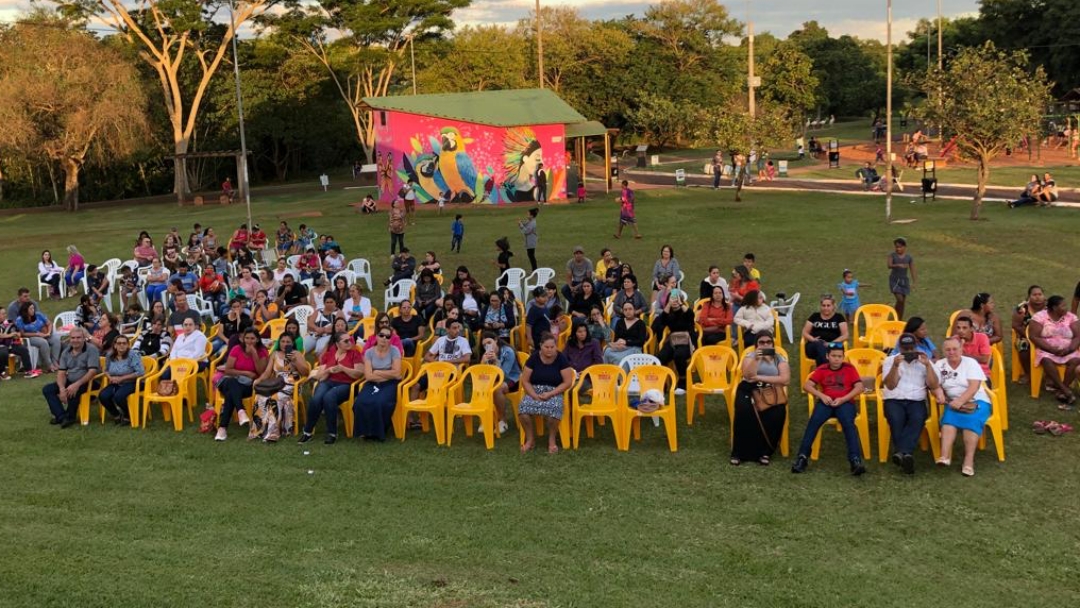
[629, 337]
[428, 295]
[273, 414]
[667, 265]
[665, 285]
[984, 319]
[409, 328]
[339, 366]
[823, 327]
[87, 314]
[460, 277]
[741, 284]
[264, 309]
[190, 343]
[711, 282]
[498, 352]
[105, 334]
[76, 268]
[584, 300]
[546, 377]
[309, 264]
[468, 299]
[382, 322]
[714, 318]
[357, 307]
[233, 325]
[305, 237]
[340, 288]
[11, 346]
[678, 319]
[285, 240]
[498, 316]
[374, 406]
[154, 341]
[1048, 193]
[1055, 332]
[581, 349]
[51, 273]
[247, 361]
[452, 314]
[333, 263]
[599, 330]
[1035, 303]
[144, 252]
[965, 405]
[917, 327]
[123, 366]
[430, 263]
[267, 282]
[754, 316]
[1030, 195]
[239, 240]
[320, 326]
[628, 293]
[37, 332]
[170, 258]
[760, 404]
[157, 280]
[292, 328]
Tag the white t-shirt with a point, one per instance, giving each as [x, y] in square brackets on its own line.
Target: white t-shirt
[450, 349]
[469, 303]
[955, 381]
[912, 383]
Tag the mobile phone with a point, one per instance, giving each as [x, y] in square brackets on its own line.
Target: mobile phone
[490, 347]
[910, 357]
[767, 352]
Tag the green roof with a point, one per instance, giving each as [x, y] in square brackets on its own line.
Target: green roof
[588, 128]
[510, 108]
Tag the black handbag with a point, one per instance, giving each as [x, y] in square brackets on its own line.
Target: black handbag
[270, 387]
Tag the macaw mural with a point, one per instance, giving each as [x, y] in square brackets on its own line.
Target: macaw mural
[469, 163]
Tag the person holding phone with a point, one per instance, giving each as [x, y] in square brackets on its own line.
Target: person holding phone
[273, 415]
[498, 352]
[907, 376]
[760, 404]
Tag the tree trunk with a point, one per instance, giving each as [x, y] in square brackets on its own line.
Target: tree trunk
[180, 179]
[52, 179]
[980, 188]
[1, 182]
[71, 184]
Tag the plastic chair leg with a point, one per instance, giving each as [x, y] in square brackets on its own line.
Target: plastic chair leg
[672, 437]
[177, 415]
[442, 433]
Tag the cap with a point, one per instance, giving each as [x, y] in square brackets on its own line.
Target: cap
[653, 396]
[908, 340]
[579, 249]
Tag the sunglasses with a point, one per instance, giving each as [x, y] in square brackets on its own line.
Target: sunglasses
[385, 336]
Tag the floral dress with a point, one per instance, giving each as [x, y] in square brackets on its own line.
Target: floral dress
[273, 416]
[1057, 333]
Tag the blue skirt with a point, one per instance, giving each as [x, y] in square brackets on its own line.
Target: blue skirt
[974, 421]
[374, 409]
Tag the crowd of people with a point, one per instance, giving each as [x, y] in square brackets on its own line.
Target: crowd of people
[603, 313]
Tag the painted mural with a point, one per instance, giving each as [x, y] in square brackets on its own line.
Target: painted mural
[468, 163]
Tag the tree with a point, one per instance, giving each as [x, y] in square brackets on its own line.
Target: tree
[850, 72]
[788, 80]
[361, 43]
[573, 46]
[688, 30]
[480, 58]
[65, 97]
[167, 32]
[1046, 27]
[990, 99]
[662, 120]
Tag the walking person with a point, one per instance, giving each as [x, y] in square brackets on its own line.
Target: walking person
[457, 233]
[900, 262]
[541, 183]
[626, 211]
[717, 169]
[527, 227]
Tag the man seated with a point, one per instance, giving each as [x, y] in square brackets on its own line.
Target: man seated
[869, 176]
[368, 205]
[834, 387]
[578, 270]
[79, 363]
[182, 312]
[907, 376]
[1030, 195]
[1048, 193]
[290, 294]
[188, 281]
[404, 265]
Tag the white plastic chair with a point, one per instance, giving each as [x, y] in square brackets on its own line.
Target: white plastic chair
[361, 269]
[397, 293]
[63, 322]
[539, 277]
[293, 260]
[308, 284]
[107, 298]
[47, 287]
[202, 306]
[785, 312]
[682, 276]
[348, 275]
[301, 314]
[515, 282]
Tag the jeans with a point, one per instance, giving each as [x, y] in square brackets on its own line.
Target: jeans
[817, 351]
[532, 257]
[906, 420]
[455, 243]
[51, 391]
[153, 293]
[717, 173]
[48, 349]
[397, 242]
[114, 398]
[328, 396]
[73, 278]
[234, 393]
[19, 351]
[409, 346]
[845, 413]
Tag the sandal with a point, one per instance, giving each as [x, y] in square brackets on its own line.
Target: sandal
[764, 461]
[944, 462]
[968, 471]
[735, 462]
[1040, 426]
[1057, 430]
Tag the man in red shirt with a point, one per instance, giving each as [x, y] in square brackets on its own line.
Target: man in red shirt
[975, 344]
[833, 386]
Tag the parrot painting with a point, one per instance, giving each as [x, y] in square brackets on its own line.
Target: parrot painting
[428, 175]
[456, 167]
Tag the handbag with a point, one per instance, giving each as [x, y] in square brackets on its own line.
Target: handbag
[167, 388]
[679, 338]
[270, 386]
[766, 396]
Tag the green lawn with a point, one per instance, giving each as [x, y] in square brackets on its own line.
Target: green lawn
[1066, 176]
[104, 516]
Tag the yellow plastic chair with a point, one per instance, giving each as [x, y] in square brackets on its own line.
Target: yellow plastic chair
[870, 316]
[711, 372]
[1017, 368]
[182, 371]
[997, 381]
[276, 327]
[483, 380]
[441, 376]
[778, 339]
[650, 377]
[885, 335]
[604, 382]
[995, 424]
[649, 348]
[564, 334]
[92, 391]
[345, 409]
[785, 439]
[150, 366]
[806, 365]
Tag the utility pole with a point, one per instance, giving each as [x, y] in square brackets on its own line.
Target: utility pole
[888, 113]
[539, 45]
[245, 184]
[939, 59]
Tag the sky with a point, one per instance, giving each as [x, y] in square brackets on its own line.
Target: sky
[863, 18]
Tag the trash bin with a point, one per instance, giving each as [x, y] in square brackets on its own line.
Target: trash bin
[834, 159]
[642, 159]
[929, 185]
[781, 168]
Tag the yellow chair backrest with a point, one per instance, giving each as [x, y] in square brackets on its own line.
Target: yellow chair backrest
[886, 333]
[440, 375]
[394, 312]
[485, 378]
[651, 377]
[867, 361]
[277, 327]
[952, 321]
[149, 364]
[715, 365]
[182, 368]
[699, 305]
[606, 380]
[871, 315]
[368, 323]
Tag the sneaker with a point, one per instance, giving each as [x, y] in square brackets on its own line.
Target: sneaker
[34, 373]
[242, 416]
[907, 463]
[305, 437]
[897, 459]
[680, 391]
[330, 439]
[222, 434]
[801, 462]
[68, 422]
[503, 426]
[857, 467]
[5, 376]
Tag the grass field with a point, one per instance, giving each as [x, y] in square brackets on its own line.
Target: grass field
[105, 516]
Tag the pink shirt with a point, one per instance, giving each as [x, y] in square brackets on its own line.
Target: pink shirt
[978, 347]
[243, 362]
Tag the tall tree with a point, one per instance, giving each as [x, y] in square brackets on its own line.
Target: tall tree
[476, 58]
[689, 30]
[787, 79]
[361, 43]
[1047, 28]
[65, 97]
[167, 32]
[990, 100]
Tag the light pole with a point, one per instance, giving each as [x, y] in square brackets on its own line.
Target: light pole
[888, 112]
[245, 185]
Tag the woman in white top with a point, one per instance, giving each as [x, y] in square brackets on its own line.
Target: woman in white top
[754, 316]
[318, 293]
[189, 344]
[320, 326]
[334, 262]
[51, 273]
[965, 404]
[280, 270]
[356, 307]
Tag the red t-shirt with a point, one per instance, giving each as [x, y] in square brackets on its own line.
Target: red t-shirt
[244, 362]
[352, 358]
[836, 383]
[206, 282]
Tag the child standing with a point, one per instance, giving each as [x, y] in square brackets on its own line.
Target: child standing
[849, 295]
[900, 262]
[457, 231]
[833, 386]
[749, 260]
[581, 192]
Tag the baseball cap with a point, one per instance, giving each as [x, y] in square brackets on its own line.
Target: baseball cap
[908, 340]
[579, 249]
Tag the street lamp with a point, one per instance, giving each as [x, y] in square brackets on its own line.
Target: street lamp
[245, 184]
[888, 113]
